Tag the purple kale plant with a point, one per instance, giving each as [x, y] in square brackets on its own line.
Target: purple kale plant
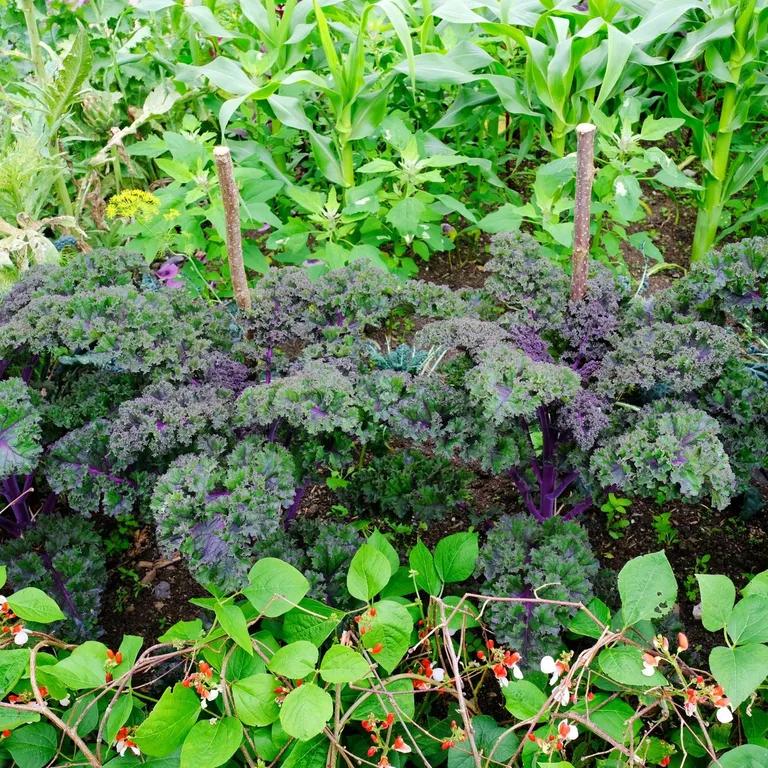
[38, 548]
[729, 285]
[64, 557]
[80, 467]
[523, 558]
[219, 510]
[166, 420]
[671, 449]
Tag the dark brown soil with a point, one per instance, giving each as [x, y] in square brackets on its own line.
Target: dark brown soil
[460, 268]
[145, 593]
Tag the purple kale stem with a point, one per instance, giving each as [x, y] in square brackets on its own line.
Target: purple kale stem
[578, 509]
[272, 436]
[293, 510]
[268, 363]
[26, 373]
[548, 438]
[49, 504]
[17, 500]
[525, 491]
[546, 492]
[548, 474]
[10, 528]
[61, 588]
[566, 482]
[4, 366]
[527, 593]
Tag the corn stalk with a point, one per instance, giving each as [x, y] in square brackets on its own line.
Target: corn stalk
[745, 46]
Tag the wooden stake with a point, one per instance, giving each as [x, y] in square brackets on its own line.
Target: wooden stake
[585, 170]
[231, 201]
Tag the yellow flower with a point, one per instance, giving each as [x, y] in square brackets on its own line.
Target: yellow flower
[133, 204]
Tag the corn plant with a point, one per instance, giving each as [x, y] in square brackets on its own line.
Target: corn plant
[347, 105]
[572, 63]
[727, 44]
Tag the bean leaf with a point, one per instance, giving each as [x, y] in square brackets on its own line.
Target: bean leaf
[305, 711]
[32, 604]
[211, 743]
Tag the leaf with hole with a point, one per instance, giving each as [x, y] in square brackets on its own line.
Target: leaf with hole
[647, 587]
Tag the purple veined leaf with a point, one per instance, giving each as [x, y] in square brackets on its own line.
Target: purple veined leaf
[78, 466]
[19, 429]
[208, 542]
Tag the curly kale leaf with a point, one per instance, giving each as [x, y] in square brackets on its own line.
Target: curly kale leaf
[100, 268]
[225, 373]
[507, 384]
[324, 316]
[584, 418]
[20, 435]
[318, 399]
[79, 396]
[408, 484]
[121, 329]
[21, 292]
[65, 558]
[431, 412]
[281, 302]
[168, 419]
[739, 401]
[523, 558]
[672, 448]
[464, 333]
[731, 282]
[363, 294]
[219, 510]
[592, 322]
[532, 289]
[80, 466]
[679, 357]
